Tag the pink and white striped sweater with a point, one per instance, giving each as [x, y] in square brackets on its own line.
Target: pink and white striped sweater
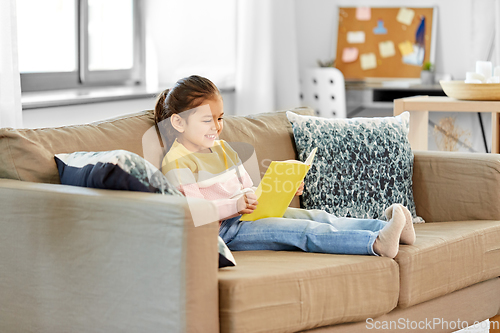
[218, 176]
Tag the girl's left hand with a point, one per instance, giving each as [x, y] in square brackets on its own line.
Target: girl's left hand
[247, 203]
[300, 190]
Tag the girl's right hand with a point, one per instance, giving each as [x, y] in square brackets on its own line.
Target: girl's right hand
[247, 203]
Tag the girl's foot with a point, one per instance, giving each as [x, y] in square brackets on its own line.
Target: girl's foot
[387, 242]
[388, 211]
[408, 234]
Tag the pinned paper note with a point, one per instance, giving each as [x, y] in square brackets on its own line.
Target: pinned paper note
[355, 37]
[405, 16]
[386, 49]
[363, 13]
[368, 61]
[415, 58]
[380, 29]
[350, 54]
[405, 48]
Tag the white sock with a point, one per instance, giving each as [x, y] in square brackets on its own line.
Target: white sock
[408, 234]
[387, 242]
[388, 211]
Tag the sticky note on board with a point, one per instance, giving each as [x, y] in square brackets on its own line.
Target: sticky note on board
[386, 49]
[363, 13]
[350, 54]
[355, 37]
[405, 16]
[368, 61]
[405, 48]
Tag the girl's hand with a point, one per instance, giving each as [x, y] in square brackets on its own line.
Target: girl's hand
[300, 190]
[247, 203]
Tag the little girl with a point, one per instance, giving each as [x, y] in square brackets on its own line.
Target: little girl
[200, 165]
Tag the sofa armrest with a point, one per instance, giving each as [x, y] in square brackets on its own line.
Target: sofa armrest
[452, 186]
[75, 259]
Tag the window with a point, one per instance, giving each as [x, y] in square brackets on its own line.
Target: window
[79, 43]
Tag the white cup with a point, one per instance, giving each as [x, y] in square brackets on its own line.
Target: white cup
[485, 68]
[469, 76]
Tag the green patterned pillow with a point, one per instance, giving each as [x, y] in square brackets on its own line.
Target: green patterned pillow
[362, 166]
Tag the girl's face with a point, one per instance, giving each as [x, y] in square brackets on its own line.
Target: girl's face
[202, 126]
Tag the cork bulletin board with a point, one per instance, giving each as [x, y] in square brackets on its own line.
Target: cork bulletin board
[383, 42]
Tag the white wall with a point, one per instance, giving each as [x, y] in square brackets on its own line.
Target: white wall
[464, 30]
[83, 113]
[87, 113]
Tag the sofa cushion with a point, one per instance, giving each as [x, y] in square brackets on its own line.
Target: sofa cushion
[362, 166]
[293, 291]
[448, 256]
[456, 186]
[112, 170]
[28, 154]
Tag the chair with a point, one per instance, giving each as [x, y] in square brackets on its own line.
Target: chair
[323, 89]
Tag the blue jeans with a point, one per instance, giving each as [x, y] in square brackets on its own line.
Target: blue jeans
[301, 229]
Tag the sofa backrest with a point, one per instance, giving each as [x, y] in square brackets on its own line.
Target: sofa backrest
[28, 154]
[270, 134]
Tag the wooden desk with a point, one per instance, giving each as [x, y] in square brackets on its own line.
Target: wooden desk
[420, 106]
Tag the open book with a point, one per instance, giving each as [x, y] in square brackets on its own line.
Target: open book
[278, 187]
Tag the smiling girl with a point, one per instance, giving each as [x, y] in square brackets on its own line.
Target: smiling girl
[200, 165]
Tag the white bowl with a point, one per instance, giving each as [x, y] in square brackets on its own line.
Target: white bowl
[471, 91]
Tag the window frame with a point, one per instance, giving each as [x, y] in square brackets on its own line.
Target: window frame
[82, 77]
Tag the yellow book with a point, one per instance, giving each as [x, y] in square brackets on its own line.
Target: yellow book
[278, 187]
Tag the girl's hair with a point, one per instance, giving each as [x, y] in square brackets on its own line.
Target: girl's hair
[187, 93]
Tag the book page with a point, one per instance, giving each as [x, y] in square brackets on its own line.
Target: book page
[310, 158]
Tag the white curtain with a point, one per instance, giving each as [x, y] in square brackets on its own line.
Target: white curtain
[10, 81]
[482, 31]
[267, 70]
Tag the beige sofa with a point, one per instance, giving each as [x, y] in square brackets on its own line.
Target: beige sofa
[86, 260]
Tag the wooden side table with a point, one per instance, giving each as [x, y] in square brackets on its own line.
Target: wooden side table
[420, 106]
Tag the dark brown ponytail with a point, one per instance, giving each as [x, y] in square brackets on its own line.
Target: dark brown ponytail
[160, 102]
[187, 93]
